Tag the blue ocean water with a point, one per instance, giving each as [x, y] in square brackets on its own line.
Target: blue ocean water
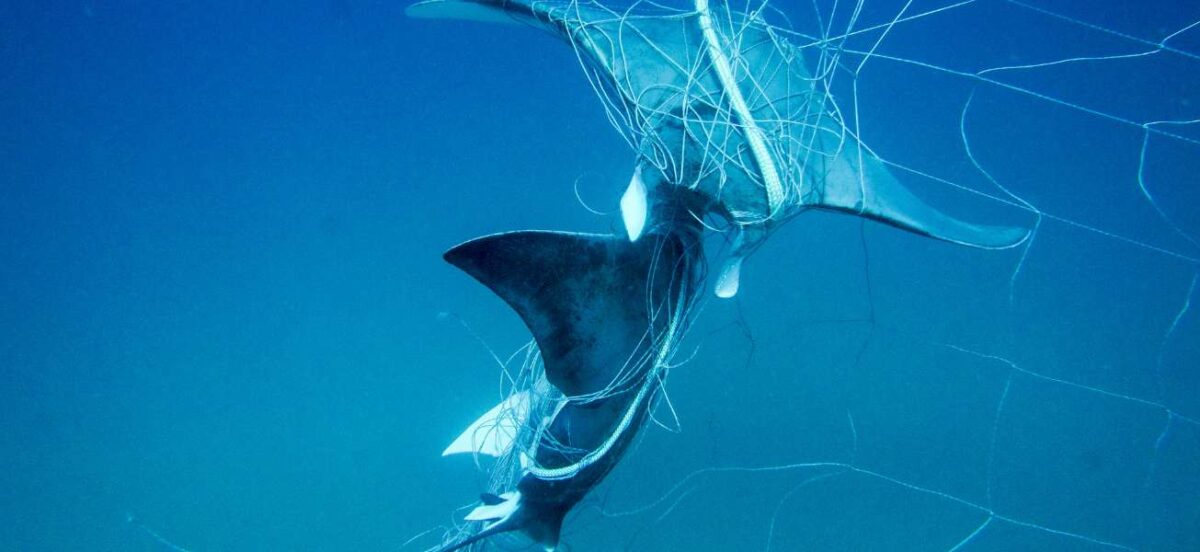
[225, 323]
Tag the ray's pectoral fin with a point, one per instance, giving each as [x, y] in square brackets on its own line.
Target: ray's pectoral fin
[593, 304]
[587, 299]
[877, 194]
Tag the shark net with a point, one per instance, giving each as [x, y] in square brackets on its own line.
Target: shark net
[714, 99]
[870, 388]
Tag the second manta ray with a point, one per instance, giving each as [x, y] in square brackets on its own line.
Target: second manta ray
[727, 122]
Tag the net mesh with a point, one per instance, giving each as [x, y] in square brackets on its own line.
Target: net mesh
[895, 391]
[928, 397]
[734, 113]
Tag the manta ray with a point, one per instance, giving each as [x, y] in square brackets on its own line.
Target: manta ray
[727, 122]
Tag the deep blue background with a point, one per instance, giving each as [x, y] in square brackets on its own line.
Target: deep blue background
[223, 309]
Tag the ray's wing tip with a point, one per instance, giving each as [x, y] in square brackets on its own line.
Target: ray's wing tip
[469, 249]
[457, 254]
[1002, 237]
[486, 11]
[424, 9]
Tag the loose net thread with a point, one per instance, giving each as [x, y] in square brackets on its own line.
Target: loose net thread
[833, 60]
[644, 373]
[809, 127]
[686, 127]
